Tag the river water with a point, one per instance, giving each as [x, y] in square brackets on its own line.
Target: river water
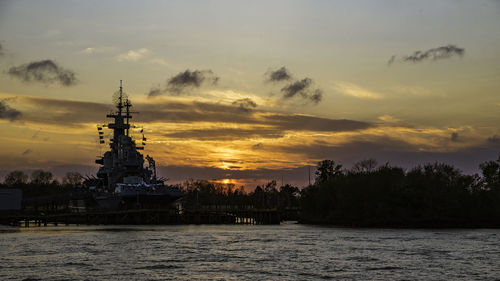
[247, 252]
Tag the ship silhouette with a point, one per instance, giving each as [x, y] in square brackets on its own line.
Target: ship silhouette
[123, 180]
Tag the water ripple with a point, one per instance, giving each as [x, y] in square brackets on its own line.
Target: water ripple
[232, 252]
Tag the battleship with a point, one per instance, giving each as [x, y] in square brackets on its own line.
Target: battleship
[123, 181]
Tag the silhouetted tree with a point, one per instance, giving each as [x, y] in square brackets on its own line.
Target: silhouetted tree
[327, 169]
[491, 174]
[258, 197]
[72, 178]
[40, 177]
[288, 196]
[16, 178]
[367, 165]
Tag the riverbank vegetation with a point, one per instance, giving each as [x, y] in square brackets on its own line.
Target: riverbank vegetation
[432, 195]
[41, 183]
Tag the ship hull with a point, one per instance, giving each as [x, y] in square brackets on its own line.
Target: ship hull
[108, 202]
[135, 201]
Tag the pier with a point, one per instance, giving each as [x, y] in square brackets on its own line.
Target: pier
[143, 217]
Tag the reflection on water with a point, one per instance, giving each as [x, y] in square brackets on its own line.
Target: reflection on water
[251, 252]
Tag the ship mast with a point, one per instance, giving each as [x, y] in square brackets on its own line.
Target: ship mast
[120, 104]
[127, 106]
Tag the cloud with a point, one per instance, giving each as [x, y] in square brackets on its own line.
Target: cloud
[1, 51]
[45, 71]
[388, 119]
[187, 79]
[257, 146]
[26, 152]
[155, 91]
[391, 60]
[434, 54]
[495, 139]
[61, 112]
[133, 55]
[297, 87]
[190, 78]
[77, 113]
[301, 88]
[245, 104]
[317, 96]
[219, 113]
[88, 50]
[223, 134]
[278, 75]
[353, 90]
[300, 122]
[454, 137]
[6, 112]
[98, 50]
[438, 53]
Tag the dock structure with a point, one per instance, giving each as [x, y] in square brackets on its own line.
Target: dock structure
[143, 217]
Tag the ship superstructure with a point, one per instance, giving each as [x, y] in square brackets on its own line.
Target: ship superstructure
[122, 176]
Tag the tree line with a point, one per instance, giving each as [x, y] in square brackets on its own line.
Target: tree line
[434, 194]
[269, 196]
[41, 183]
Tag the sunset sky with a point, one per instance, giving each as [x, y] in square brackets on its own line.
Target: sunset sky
[250, 91]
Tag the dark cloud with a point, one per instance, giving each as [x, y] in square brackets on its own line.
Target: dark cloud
[76, 114]
[272, 126]
[191, 78]
[454, 137]
[245, 104]
[317, 96]
[312, 123]
[1, 50]
[26, 152]
[257, 146]
[63, 112]
[156, 91]
[7, 112]
[177, 84]
[185, 112]
[278, 75]
[301, 88]
[207, 112]
[494, 139]
[443, 52]
[391, 60]
[298, 87]
[45, 71]
[227, 134]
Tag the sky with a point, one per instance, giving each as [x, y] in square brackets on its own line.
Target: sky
[250, 91]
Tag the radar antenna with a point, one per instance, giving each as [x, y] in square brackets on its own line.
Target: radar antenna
[120, 105]
[152, 166]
